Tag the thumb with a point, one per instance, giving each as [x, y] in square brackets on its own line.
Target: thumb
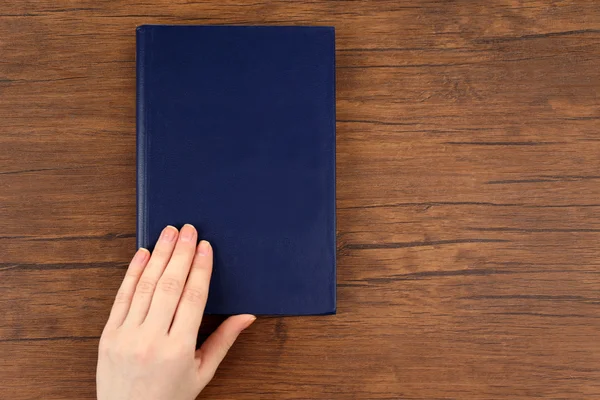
[215, 348]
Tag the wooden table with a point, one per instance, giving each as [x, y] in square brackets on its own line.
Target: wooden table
[468, 199]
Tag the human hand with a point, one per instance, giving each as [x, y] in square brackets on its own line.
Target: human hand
[147, 349]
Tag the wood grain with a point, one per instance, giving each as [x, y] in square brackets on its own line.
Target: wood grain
[468, 187]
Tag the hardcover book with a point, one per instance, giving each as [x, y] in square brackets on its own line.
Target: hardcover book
[236, 136]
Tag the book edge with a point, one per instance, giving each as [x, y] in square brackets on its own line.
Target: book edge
[141, 151]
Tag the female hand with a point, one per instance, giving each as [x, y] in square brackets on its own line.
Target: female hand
[147, 349]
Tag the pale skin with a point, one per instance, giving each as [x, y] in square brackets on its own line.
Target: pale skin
[147, 349]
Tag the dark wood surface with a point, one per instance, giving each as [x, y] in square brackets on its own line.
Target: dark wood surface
[468, 191]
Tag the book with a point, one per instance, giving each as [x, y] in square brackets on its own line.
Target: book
[236, 136]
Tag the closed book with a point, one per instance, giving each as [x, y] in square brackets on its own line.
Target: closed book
[236, 136]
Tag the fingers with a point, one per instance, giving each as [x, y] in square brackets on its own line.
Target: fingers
[193, 299]
[171, 283]
[215, 348]
[126, 291]
[147, 283]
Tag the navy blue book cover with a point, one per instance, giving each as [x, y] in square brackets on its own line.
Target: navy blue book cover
[236, 135]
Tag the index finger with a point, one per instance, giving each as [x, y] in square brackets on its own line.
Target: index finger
[190, 310]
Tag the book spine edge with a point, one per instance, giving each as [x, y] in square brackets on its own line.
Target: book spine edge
[141, 142]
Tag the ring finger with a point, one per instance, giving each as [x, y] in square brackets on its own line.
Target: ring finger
[152, 273]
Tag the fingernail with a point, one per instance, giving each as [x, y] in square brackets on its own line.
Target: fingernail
[250, 321]
[188, 232]
[141, 255]
[169, 233]
[204, 248]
